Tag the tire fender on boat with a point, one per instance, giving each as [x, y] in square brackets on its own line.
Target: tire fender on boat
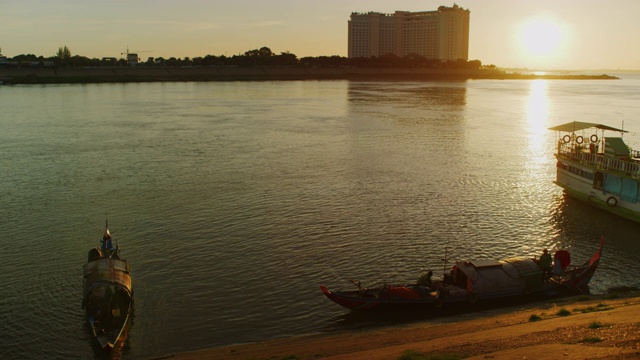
[612, 202]
[594, 138]
[579, 139]
[566, 138]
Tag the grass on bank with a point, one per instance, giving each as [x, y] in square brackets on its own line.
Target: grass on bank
[534, 317]
[591, 340]
[415, 355]
[599, 307]
[595, 325]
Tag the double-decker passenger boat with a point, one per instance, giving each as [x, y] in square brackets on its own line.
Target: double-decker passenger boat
[598, 169]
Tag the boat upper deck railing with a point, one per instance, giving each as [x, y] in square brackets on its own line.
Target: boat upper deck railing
[629, 167]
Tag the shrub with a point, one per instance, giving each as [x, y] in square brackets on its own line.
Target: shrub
[595, 325]
[563, 312]
[534, 317]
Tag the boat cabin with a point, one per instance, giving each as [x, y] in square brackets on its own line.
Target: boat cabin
[491, 277]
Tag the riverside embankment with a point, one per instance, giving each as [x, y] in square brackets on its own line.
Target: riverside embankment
[162, 74]
[573, 329]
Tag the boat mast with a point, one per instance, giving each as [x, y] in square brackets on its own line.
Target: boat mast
[444, 262]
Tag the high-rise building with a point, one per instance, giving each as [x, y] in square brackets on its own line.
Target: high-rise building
[442, 34]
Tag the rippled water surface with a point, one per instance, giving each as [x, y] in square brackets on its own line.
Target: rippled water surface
[234, 201]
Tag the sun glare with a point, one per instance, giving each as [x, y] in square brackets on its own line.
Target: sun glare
[541, 37]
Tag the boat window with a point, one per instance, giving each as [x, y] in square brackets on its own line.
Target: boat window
[598, 180]
[629, 190]
[574, 170]
[612, 184]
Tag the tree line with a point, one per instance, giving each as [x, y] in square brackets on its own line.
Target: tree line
[256, 57]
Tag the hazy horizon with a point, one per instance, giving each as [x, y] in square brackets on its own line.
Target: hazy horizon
[545, 35]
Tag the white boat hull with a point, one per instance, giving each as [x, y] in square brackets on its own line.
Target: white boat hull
[580, 182]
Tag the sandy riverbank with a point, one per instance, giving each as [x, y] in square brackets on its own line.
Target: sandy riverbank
[571, 328]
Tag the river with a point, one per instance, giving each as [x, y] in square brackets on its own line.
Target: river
[234, 201]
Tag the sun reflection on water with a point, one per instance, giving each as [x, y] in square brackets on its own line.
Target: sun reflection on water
[537, 110]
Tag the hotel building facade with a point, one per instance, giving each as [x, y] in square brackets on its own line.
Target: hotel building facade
[442, 34]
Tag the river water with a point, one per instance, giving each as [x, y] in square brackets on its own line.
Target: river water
[234, 201]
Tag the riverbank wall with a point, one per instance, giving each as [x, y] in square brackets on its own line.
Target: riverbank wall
[165, 74]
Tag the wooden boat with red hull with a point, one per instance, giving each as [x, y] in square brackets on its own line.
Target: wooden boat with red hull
[470, 282]
[108, 295]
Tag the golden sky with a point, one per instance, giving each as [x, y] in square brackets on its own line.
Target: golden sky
[541, 34]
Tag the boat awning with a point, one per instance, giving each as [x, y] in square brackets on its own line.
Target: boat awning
[615, 147]
[579, 125]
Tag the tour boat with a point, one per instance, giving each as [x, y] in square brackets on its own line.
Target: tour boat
[599, 170]
[108, 295]
[469, 282]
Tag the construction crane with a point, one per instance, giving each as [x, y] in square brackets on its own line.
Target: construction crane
[132, 56]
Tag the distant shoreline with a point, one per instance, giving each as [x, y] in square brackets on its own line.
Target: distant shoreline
[171, 74]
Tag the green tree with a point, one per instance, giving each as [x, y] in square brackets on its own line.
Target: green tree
[285, 59]
[263, 52]
[257, 57]
[63, 53]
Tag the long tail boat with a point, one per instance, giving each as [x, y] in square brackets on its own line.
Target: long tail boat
[108, 295]
[469, 282]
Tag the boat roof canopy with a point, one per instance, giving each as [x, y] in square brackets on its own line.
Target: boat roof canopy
[485, 263]
[579, 125]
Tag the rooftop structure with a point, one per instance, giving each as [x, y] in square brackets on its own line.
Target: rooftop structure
[441, 34]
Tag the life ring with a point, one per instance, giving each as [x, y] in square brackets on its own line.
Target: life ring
[566, 138]
[579, 139]
[594, 138]
[612, 202]
[473, 298]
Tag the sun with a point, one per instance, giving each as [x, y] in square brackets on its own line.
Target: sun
[541, 37]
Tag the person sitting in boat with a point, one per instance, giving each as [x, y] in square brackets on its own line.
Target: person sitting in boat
[545, 263]
[425, 279]
[561, 260]
[425, 284]
[107, 244]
